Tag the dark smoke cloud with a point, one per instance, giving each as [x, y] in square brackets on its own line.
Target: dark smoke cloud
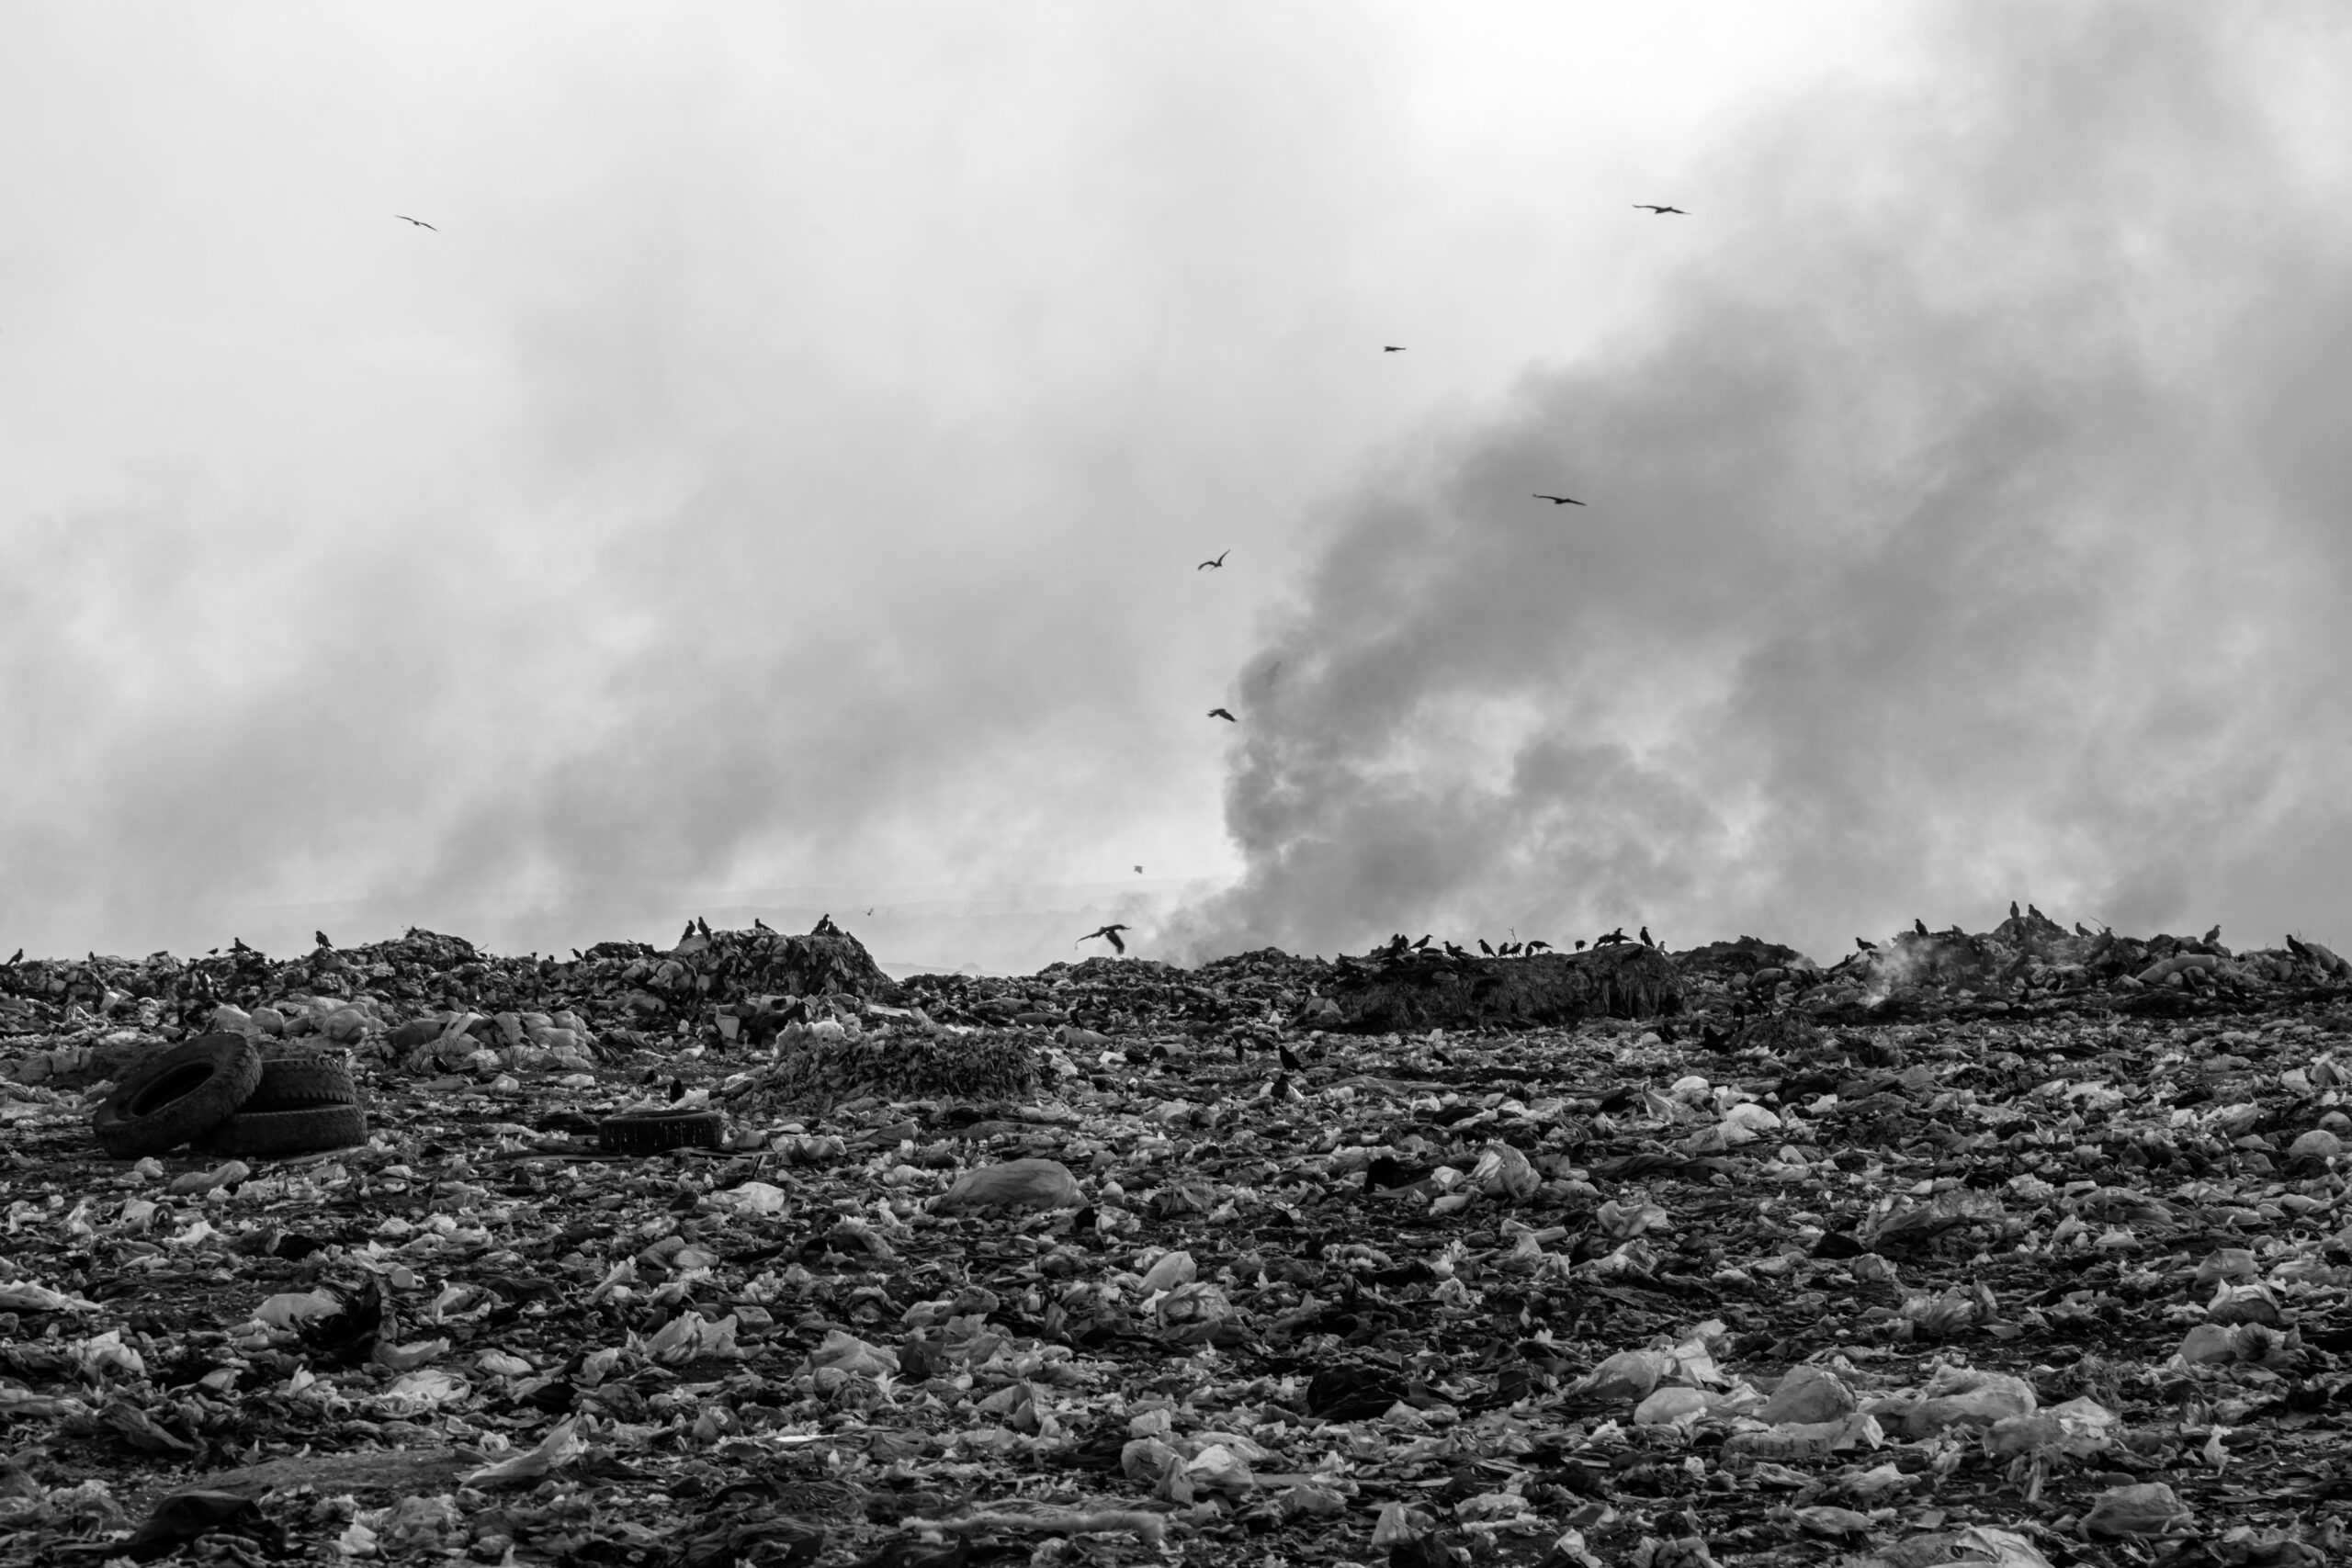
[1966, 523]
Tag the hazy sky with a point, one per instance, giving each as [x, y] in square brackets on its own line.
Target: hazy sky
[787, 459]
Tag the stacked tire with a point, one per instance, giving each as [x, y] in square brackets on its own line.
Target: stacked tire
[224, 1095]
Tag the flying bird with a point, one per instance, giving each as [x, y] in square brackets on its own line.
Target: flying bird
[1219, 561]
[1661, 211]
[1392, 348]
[1111, 932]
[1220, 713]
[1561, 499]
[418, 222]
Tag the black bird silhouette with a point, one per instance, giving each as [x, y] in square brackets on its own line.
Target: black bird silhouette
[1539, 941]
[1861, 946]
[1291, 1063]
[704, 926]
[1561, 499]
[2013, 908]
[869, 911]
[1579, 945]
[1661, 211]
[1422, 943]
[688, 934]
[2214, 935]
[759, 925]
[1220, 713]
[1111, 932]
[1219, 561]
[1645, 938]
[323, 939]
[1139, 871]
[2080, 930]
[2033, 913]
[1483, 948]
[418, 222]
[1392, 348]
[1919, 925]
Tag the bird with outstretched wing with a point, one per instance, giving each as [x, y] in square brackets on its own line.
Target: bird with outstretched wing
[1111, 932]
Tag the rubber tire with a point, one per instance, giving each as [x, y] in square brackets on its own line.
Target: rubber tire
[294, 1132]
[652, 1132]
[178, 1097]
[292, 1083]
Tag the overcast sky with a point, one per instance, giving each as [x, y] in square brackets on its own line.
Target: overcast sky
[787, 459]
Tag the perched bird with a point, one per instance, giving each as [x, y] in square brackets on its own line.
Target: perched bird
[2033, 913]
[688, 934]
[1422, 943]
[1861, 946]
[1561, 499]
[1483, 948]
[1291, 1062]
[1220, 713]
[2293, 946]
[1661, 211]
[1392, 348]
[2013, 908]
[759, 925]
[323, 939]
[2080, 930]
[1919, 925]
[1645, 938]
[1579, 945]
[418, 222]
[2214, 935]
[1219, 561]
[1538, 942]
[1111, 932]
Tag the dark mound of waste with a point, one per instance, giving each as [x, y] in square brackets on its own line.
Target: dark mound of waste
[1407, 988]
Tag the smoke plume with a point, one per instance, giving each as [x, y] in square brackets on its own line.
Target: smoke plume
[1964, 522]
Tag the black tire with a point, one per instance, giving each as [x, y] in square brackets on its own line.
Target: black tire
[179, 1095]
[293, 1083]
[652, 1132]
[294, 1132]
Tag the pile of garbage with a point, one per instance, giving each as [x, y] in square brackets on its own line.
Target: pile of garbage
[1957, 1251]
